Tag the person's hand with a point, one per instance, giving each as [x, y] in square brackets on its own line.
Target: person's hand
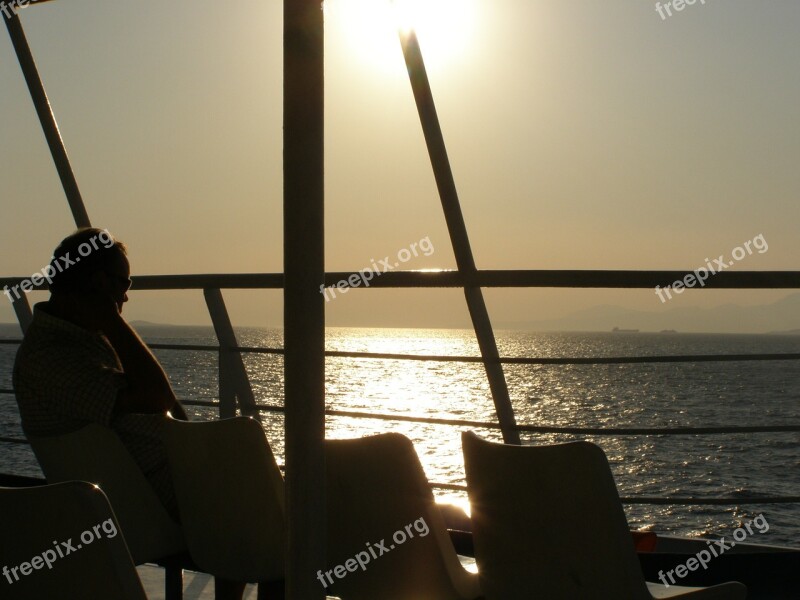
[178, 412]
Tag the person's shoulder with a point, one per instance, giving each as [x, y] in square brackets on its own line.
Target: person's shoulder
[43, 340]
[47, 332]
[43, 351]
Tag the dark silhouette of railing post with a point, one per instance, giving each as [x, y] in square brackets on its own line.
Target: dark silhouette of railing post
[458, 234]
[22, 309]
[304, 307]
[47, 119]
[233, 380]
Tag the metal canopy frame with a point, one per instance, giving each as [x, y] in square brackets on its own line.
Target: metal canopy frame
[304, 271]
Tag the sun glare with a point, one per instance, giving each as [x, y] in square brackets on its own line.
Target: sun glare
[370, 27]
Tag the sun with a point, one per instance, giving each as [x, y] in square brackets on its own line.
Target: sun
[370, 28]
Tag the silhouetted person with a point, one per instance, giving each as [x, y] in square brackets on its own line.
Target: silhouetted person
[80, 362]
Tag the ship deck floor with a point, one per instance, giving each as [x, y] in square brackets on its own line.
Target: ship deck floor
[196, 586]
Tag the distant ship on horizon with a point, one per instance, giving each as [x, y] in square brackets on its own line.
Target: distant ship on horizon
[618, 330]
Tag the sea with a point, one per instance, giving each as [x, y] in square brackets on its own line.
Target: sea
[699, 394]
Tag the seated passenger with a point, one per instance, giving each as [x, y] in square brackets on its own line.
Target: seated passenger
[80, 362]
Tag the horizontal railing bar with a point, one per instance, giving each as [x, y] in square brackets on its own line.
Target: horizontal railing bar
[624, 499]
[203, 403]
[669, 500]
[455, 279]
[195, 347]
[552, 429]
[14, 440]
[449, 486]
[601, 360]
[711, 501]
[652, 359]
[611, 431]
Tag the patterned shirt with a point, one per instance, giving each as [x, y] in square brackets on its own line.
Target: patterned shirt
[66, 376]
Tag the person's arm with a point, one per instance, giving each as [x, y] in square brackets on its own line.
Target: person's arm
[148, 389]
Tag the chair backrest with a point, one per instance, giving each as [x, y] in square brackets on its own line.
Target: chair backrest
[96, 454]
[548, 523]
[382, 518]
[62, 541]
[230, 495]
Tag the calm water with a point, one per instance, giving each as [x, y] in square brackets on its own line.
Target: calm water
[649, 395]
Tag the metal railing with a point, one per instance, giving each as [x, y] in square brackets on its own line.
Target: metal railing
[234, 382]
[303, 95]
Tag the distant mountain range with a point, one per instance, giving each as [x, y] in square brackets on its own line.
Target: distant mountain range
[781, 317]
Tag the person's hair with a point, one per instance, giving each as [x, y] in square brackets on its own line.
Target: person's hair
[80, 255]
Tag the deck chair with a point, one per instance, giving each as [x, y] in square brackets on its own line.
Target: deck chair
[376, 487]
[231, 499]
[548, 523]
[95, 454]
[37, 523]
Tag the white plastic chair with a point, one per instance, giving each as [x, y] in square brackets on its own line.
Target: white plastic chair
[548, 523]
[375, 487]
[95, 454]
[230, 497]
[55, 528]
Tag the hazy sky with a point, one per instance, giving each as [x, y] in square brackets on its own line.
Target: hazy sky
[582, 134]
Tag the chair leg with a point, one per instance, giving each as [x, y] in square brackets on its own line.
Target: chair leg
[173, 582]
[271, 590]
[225, 589]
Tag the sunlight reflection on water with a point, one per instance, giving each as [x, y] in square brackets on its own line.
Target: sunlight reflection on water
[638, 395]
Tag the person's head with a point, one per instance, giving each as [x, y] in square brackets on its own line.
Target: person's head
[91, 262]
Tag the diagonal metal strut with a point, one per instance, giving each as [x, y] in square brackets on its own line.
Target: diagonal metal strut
[47, 119]
[459, 238]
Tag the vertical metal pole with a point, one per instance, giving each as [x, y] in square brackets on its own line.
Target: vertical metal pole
[233, 379]
[46, 118]
[304, 308]
[227, 389]
[173, 582]
[458, 233]
[22, 309]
